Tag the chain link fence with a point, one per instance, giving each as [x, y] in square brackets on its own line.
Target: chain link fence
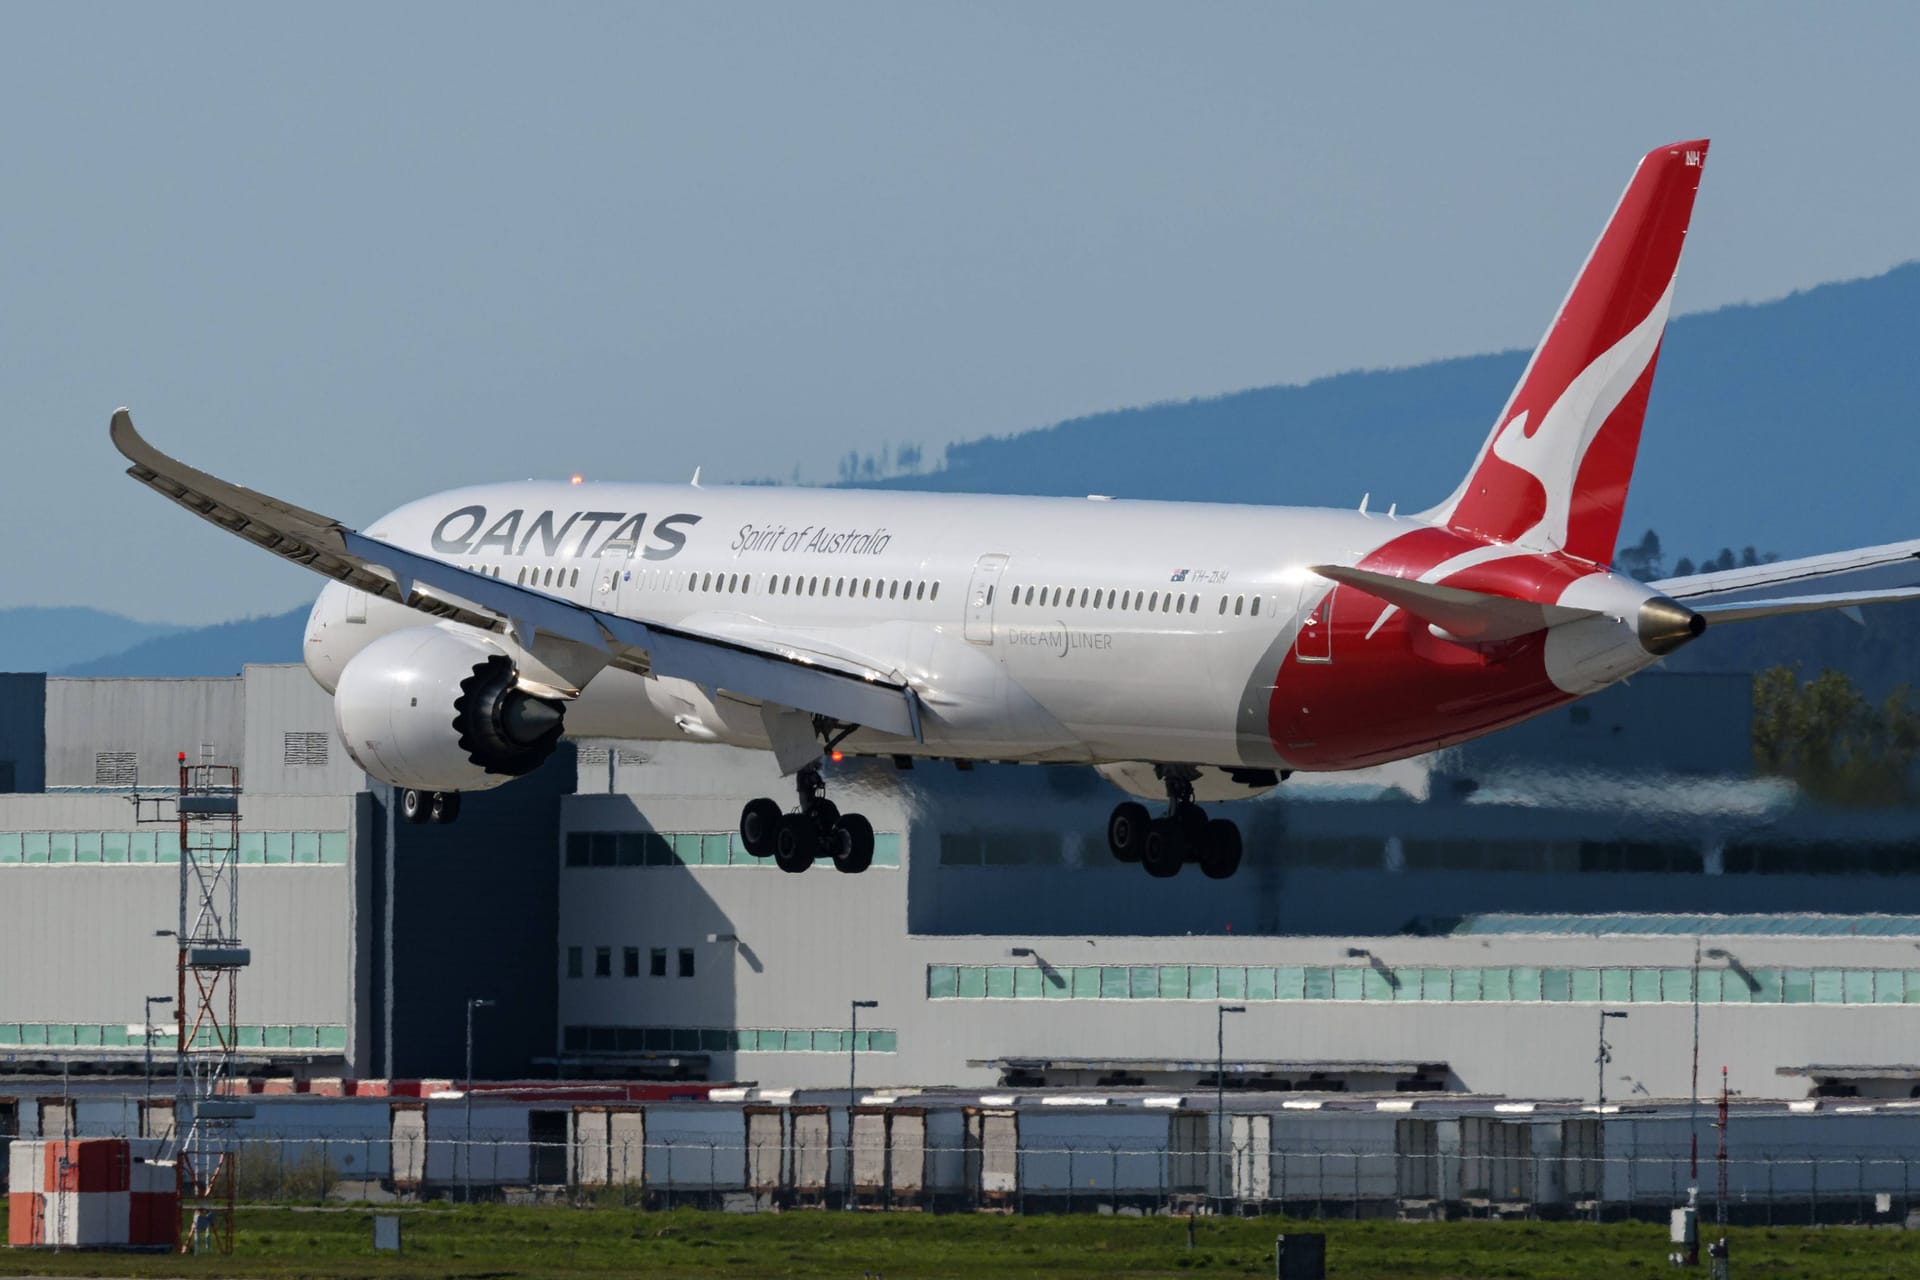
[1079, 1177]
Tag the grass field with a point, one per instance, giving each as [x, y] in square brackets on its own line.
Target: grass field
[493, 1242]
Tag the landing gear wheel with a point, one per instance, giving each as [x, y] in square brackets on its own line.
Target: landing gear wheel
[443, 807]
[1190, 829]
[796, 842]
[1220, 854]
[413, 805]
[760, 827]
[1161, 853]
[853, 844]
[1127, 830]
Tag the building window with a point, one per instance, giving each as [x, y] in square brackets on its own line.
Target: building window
[574, 962]
[686, 962]
[630, 961]
[306, 748]
[603, 962]
[657, 962]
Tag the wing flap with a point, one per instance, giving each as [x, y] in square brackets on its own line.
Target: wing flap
[576, 640]
[1473, 616]
[1747, 610]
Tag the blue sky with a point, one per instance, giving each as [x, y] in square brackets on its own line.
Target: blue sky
[351, 255]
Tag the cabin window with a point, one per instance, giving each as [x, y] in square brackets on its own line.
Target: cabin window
[989, 594]
[1255, 611]
[893, 591]
[1084, 593]
[521, 577]
[1153, 602]
[573, 579]
[1239, 602]
[935, 593]
[921, 592]
[866, 588]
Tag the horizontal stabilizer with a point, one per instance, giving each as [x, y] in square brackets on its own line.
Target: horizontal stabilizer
[1473, 616]
[1746, 610]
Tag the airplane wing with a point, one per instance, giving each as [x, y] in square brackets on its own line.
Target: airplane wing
[572, 639]
[1866, 575]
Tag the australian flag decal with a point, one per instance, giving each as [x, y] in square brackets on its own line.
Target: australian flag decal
[1179, 576]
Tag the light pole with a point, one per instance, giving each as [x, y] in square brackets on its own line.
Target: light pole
[466, 1157]
[151, 1001]
[1605, 1055]
[853, 1044]
[1220, 1088]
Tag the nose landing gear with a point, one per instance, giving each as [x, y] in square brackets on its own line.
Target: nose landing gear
[817, 829]
[429, 806]
[1162, 845]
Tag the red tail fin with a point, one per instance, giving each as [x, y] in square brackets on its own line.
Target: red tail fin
[1554, 472]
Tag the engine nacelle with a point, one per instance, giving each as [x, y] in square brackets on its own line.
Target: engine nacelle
[436, 709]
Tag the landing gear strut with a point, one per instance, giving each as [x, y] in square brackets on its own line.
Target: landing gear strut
[1185, 834]
[817, 829]
[429, 806]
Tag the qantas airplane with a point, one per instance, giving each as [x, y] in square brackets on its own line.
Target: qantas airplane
[1188, 651]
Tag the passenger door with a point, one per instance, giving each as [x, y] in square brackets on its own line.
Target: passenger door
[980, 593]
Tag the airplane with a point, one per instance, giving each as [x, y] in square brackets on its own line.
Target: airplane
[1190, 652]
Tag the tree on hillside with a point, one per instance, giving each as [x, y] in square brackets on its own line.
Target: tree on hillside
[1825, 736]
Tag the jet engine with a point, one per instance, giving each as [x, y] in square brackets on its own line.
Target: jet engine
[438, 709]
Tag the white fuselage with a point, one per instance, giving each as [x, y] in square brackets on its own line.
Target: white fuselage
[1032, 628]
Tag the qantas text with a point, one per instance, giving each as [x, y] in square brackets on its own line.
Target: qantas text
[469, 532]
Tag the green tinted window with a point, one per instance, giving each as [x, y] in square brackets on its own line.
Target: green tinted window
[1676, 985]
[1375, 985]
[1173, 982]
[1113, 982]
[1496, 984]
[9, 846]
[253, 848]
[333, 847]
[1347, 983]
[1827, 986]
[1856, 986]
[1646, 985]
[1888, 987]
[1233, 982]
[1144, 983]
[833, 1041]
[1586, 985]
[113, 846]
[1406, 984]
[1319, 983]
[885, 1042]
[140, 846]
[1796, 986]
[1086, 982]
[9, 1033]
[973, 982]
[1056, 984]
[279, 848]
[886, 849]
[35, 846]
[686, 848]
[1556, 984]
[943, 981]
[60, 846]
[86, 846]
[1000, 982]
[1289, 983]
[333, 1037]
[1203, 982]
[1466, 984]
[306, 847]
[1260, 983]
[737, 855]
[1436, 984]
[1710, 985]
[1913, 986]
[1526, 983]
[715, 849]
[1026, 982]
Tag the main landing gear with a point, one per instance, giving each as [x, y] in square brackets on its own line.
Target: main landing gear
[429, 806]
[817, 830]
[1186, 834]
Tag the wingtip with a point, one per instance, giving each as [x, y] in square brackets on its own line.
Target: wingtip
[121, 432]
